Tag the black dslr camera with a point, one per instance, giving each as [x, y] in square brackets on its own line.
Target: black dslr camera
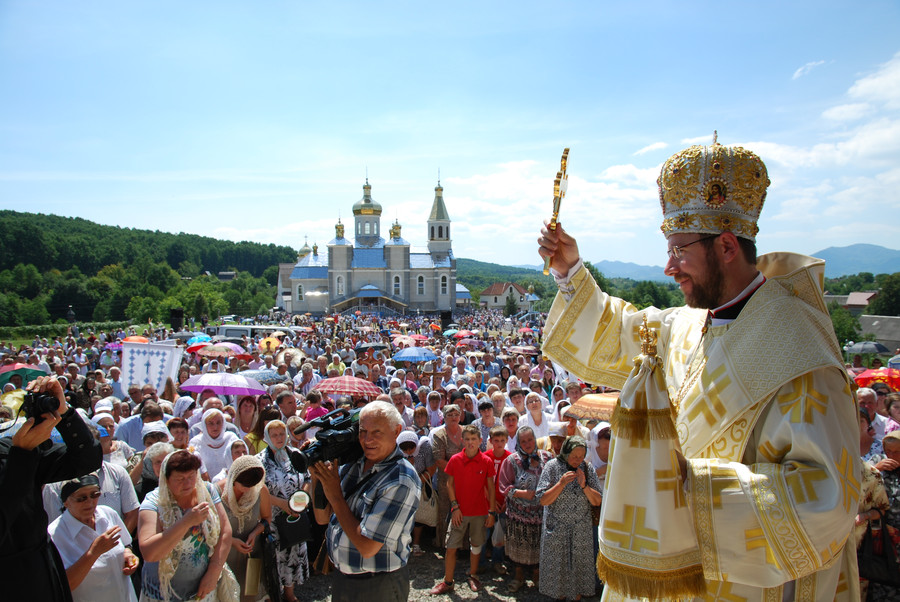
[34, 405]
[338, 438]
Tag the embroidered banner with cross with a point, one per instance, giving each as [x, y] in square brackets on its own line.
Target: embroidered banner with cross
[150, 363]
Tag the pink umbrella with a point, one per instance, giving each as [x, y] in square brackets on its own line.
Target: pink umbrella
[223, 383]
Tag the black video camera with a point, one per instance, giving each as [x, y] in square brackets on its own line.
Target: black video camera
[34, 405]
[338, 438]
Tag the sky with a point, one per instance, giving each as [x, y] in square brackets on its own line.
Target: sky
[260, 121]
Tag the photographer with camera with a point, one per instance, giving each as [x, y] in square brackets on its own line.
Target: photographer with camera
[370, 511]
[30, 566]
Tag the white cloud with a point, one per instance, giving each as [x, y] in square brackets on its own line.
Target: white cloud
[651, 147]
[705, 139]
[847, 112]
[882, 86]
[806, 69]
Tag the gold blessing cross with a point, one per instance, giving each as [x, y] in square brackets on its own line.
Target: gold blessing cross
[560, 184]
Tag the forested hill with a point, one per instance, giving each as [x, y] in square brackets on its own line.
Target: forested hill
[55, 242]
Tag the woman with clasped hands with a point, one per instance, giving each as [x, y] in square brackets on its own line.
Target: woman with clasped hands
[91, 540]
[184, 535]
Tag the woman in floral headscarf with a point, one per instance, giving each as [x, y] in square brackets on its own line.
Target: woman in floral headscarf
[184, 536]
[567, 489]
[518, 479]
[246, 502]
[283, 481]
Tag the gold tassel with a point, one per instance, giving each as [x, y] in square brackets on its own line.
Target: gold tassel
[643, 424]
[685, 582]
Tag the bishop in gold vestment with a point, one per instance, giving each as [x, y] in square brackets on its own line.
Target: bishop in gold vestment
[765, 414]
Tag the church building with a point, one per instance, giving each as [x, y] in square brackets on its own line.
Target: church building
[371, 273]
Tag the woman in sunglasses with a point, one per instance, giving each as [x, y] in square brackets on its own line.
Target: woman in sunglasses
[98, 567]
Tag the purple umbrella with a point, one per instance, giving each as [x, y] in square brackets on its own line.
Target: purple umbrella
[223, 383]
[113, 346]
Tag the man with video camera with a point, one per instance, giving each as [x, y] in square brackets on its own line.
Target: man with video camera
[370, 511]
[30, 566]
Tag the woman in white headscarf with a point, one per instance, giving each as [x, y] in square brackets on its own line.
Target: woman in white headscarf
[184, 536]
[247, 503]
[214, 442]
[283, 481]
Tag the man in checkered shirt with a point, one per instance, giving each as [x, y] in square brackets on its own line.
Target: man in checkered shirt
[370, 511]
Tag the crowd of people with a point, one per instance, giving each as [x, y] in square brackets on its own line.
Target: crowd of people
[189, 479]
[483, 445]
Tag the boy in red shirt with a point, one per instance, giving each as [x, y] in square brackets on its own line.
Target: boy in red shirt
[472, 506]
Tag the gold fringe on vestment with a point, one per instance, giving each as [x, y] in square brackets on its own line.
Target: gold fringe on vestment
[684, 582]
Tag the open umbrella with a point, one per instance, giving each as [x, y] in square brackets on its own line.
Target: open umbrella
[525, 329]
[113, 346]
[279, 333]
[598, 406]
[463, 334]
[348, 385]
[418, 337]
[371, 347]
[223, 383]
[185, 335]
[472, 342]
[434, 326]
[200, 338]
[524, 349]
[221, 350]
[136, 339]
[888, 376]
[415, 354]
[894, 362]
[868, 347]
[265, 376]
[450, 332]
[197, 347]
[269, 344]
[401, 340]
[26, 371]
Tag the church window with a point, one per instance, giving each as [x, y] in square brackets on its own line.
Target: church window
[340, 286]
[359, 227]
[440, 232]
[448, 231]
[495, 300]
[367, 228]
[421, 285]
[397, 285]
[432, 232]
[443, 285]
[299, 292]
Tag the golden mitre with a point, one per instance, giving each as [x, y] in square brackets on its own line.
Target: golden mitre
[712, 189]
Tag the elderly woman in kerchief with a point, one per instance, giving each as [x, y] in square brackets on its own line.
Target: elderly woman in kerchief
[567, 488]
[246, 502]
[184, 535]
[214, 442]
[184, 407]
[519, 475]
[91, 540]
[283, 481]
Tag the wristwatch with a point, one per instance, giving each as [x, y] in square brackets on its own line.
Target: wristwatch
[494, 514]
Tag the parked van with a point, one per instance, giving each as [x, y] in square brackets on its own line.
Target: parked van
[236, 331]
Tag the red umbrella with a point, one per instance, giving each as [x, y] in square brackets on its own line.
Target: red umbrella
[197, 347]
[435, 326]
[463, 334]
[136, 339]
[348, 385]
[888, 376]
[26, 371]
[525, 329]
[418, 337]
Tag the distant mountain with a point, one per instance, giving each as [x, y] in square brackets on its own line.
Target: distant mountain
[620, 269]
[853, 259]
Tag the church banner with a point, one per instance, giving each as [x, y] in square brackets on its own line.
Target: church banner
[150, 363]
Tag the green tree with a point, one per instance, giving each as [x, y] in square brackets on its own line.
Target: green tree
[846, 326]
[601, 280]
[510, 308]
[887, 303]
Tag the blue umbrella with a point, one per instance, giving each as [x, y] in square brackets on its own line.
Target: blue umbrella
[415, 354]
[266, 376]
[200, 338]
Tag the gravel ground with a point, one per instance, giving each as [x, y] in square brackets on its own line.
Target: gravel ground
[427, 570]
